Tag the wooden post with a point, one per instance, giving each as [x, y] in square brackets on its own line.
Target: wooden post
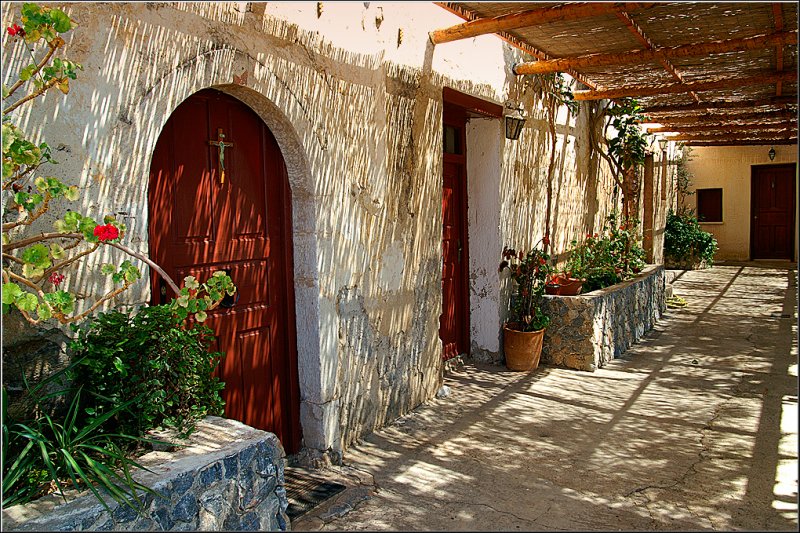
[649, 204]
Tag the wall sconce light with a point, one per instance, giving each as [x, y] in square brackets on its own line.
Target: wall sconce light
[662, 143]
[772, 154]
[514, 121]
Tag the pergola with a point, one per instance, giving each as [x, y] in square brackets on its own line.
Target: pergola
[712, 74]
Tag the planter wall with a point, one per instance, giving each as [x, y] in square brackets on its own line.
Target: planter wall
[588, 330]
[685, 264]
[229, 478]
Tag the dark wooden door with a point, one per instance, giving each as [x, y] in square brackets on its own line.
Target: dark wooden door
[454, 321]
[772, 212]
[200, 223]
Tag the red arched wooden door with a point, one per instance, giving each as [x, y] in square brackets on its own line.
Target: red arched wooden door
[202, 220]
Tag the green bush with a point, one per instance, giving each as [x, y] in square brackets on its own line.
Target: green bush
[45, 452]
[685, 241]
[151, 358]
[606, 258]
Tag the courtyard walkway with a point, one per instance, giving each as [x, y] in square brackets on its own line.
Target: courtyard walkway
[694, 428]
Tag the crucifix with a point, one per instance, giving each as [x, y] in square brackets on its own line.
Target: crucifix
[221, 144]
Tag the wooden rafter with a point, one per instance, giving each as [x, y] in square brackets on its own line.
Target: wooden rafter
[720, 119]
[726, 128]
[766, 137]
[777, 12]
[760, 117]
[514, 41]
[642, 38]
[726, 83]
[644, 56]
[533, 17]
[781, 101]
[741, 143]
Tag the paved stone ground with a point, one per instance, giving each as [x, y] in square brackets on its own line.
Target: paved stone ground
[694, 428]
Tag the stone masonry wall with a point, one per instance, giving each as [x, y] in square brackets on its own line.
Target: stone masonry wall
[591, 329]
[229, 478]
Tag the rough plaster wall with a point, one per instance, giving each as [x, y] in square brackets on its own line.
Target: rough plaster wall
[730, 167]
[357, 113]
[485, 137]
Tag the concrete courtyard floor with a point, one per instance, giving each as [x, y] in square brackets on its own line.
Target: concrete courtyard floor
[693, 428]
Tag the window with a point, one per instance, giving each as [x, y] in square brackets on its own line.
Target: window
[452, 140]
[709, 205]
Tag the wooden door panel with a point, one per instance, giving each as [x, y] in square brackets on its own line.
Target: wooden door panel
[772, 209]
[201, 224]
[454, 320]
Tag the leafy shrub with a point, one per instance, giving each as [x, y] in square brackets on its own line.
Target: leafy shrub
[606, 258]
[685, 241]
[529, 271]
[151, 358]
[52, 451]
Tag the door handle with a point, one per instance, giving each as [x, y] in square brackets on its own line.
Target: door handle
[458, 243]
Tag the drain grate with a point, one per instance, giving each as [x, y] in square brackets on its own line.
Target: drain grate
[305, 490]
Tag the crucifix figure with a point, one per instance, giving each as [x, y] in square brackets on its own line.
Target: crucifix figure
[221, 144]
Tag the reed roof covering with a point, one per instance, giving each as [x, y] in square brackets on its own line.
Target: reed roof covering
[714, 67]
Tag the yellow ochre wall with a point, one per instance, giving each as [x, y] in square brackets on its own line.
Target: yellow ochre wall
[730, 167]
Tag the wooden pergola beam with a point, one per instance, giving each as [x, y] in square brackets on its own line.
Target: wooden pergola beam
[644, 56]
[642, 38]
[740, 143]
[726, 117]
[766, 137]
[726, 128]
[781, 101]
[533, 17]
[726, 83]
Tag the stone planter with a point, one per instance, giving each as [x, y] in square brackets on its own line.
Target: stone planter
[685, 264]
[229, 477]
[564, 286]
[588, 330]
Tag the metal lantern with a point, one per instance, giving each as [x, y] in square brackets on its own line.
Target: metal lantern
[514, 123]
[771, 153]
[662, 143]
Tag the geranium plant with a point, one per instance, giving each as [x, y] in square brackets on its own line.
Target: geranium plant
[529, 272]
[37, 263]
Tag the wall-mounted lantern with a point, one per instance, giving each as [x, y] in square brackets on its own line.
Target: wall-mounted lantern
[662, 143]
[772, 154]
[514, 121]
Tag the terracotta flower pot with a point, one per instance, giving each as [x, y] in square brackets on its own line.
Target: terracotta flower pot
[522, 348]
[564, 286]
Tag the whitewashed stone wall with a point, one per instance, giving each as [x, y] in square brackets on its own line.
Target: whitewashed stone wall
[228, 478]
[354, 98]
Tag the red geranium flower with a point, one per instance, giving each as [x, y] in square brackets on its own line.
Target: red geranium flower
[56, 279]
[546, 240]
[109, 232]
[14, 30]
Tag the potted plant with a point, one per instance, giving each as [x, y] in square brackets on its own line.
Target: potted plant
[524, 331]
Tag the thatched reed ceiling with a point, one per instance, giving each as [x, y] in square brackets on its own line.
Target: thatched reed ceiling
[733, 63]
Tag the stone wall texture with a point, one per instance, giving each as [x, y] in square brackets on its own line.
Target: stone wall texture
[589, 330]
[229, 478]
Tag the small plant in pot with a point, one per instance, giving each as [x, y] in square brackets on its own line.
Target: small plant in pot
[524, 331]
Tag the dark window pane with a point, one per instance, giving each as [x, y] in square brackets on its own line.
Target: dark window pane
[452, 140]
[709, 205]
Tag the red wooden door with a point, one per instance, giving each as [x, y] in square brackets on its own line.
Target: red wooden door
[200, 223]
[454, 321]
[772, 211]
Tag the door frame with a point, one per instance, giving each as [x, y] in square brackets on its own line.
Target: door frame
[454, 115]
[754, 169]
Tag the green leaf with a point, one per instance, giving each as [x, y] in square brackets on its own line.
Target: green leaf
[27, 302]
[72, 193]
[56, 251]
[43, 312]
[200, 316]
[11, 292]
[108, 269]
[37, 255]
[31, 271]
[61, 21]
[26, 73]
